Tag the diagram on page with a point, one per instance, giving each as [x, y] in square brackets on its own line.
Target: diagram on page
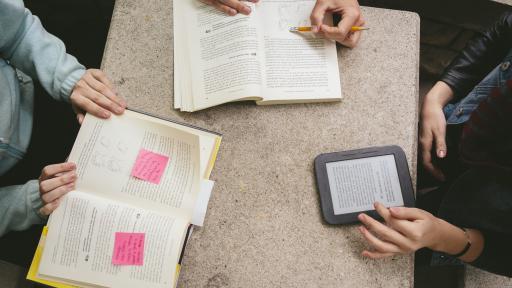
[293, 14]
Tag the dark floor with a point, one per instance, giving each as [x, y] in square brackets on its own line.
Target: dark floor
[81, 24]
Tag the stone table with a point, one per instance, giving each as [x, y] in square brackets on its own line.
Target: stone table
[506, 2]
[264, 226]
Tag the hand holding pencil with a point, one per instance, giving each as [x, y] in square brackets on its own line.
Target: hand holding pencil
[310, 29]
[343, 32]
[350, 17]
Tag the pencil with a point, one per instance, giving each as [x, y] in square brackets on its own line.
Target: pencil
[309, 28]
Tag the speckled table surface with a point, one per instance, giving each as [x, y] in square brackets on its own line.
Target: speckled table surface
[507, 2]
[264, 226]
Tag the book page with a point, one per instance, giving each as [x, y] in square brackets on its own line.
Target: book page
[299, 67]
[80, 244]
[356, 184]
[182, 79]
[209, 142]
[224, 55]
[105, 152]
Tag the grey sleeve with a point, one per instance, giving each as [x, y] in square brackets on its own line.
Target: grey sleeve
[19, 207]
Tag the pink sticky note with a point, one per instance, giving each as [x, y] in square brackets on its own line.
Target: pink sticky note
[128, 249]
[149, 166]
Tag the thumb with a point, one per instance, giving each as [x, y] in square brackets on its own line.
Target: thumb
[441, 148]
[406, 213]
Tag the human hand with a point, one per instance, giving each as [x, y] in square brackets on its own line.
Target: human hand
[433, 127]
[95, 94]
[55, 181]
[406, 230]
[351, 16]
[230, 7]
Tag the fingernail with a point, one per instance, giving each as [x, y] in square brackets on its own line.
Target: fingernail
[232, 12]
[441, 154]
[314, 28]
[360, 216]
[71, 165]
[105, 114]
[247, 9]
[394, 209]
[119, 110]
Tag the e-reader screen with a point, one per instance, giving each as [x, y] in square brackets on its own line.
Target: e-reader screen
[358, 183]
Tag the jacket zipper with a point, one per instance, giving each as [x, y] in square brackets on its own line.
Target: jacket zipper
[13, 100]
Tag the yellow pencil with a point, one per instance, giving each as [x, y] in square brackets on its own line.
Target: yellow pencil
[309, 28]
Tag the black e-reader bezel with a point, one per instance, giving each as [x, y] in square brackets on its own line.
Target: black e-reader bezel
[324, 190]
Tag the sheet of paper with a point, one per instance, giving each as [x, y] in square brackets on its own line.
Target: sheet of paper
[356, 184]
[149, 166]
[224, 55]
[81, 239]
[202, 202]
[128, 249]
[298, 66]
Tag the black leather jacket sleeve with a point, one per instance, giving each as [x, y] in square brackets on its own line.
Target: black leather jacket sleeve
[496, 254]
[479, 57]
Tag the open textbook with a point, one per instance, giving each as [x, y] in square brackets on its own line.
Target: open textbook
[220, 59]
[78, 245]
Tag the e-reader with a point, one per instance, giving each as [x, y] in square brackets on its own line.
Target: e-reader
[350, 182]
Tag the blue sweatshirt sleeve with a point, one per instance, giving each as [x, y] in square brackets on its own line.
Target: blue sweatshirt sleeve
[19, 207]
[29, 47]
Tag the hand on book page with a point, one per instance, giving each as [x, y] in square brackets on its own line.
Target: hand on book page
[231, 7]
[94, 93]
[55, 181]
[350, 16]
